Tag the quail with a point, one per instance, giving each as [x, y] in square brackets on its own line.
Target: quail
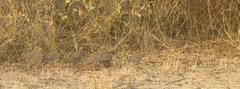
[99, 59]
[136, 59]
[50, 57]
[77, 56]
[34, 57]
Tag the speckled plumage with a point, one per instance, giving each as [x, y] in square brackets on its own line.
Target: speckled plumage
[34, 57]
[98, 60]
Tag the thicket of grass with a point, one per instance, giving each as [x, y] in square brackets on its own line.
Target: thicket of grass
[119, 25]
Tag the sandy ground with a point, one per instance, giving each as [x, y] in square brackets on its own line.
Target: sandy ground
[138, 77]
[207, 69]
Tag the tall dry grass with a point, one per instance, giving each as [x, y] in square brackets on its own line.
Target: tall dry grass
[119, 25]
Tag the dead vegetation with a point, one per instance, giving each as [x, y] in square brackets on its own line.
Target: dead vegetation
[164, 35]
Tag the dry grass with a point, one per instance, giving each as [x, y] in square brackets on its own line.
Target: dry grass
[175, 36]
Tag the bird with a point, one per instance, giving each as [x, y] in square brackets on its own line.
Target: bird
[99, 59]
[77, 56]
[50, 57]
[34, 57]
[136, 59]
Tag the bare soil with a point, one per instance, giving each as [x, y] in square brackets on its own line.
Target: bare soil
[205, 69]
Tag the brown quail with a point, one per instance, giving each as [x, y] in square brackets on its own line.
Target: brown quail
[50, 57]
[99, 59]
[77, 56]
[34, 57]
[136, 59]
